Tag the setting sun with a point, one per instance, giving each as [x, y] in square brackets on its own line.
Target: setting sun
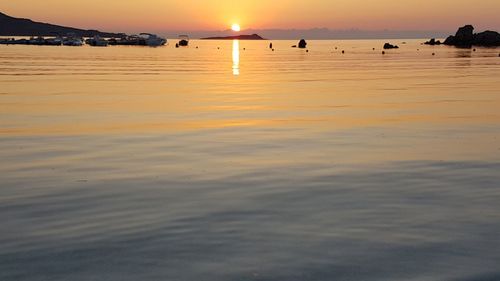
[236, 27]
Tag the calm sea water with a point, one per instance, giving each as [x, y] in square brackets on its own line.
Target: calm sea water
[234, 162]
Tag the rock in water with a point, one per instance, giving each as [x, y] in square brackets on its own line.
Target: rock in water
[390, 46]
[433, 42]
[466, 38]
[487, 38]
[450, 41]
[302, 44]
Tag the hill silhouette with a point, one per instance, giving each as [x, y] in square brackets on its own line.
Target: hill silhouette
[237, 37]
[10, 26]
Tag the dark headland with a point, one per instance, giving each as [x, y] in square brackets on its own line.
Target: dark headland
[10, 26]
[237, 37]
[466, 38]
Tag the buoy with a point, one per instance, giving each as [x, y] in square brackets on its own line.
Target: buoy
[433, 54]
[383, 52]
[474, 50]
[273, 50]
[343, 52]
[374, 49]
[307, 51]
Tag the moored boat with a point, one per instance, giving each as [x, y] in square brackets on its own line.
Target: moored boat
[131, 40]
[97, 41]
[183, 40]
[37, 41]
[153, 40]
[72, 40]
[57, 41]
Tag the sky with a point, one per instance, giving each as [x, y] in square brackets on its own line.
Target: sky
[195, 15]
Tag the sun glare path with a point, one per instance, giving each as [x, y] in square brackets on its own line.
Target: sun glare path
[236, 57]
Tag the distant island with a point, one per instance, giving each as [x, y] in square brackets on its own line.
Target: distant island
[237, 37]
[10, 26]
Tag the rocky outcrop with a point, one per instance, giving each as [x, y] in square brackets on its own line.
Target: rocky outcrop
[487, 38]
[466, 38]
[390, 46]
[450, 41]
[302, 44]
[465, 35]
[463, 38]
[433, 42]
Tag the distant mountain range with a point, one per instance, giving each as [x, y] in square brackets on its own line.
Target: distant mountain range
[10, 26]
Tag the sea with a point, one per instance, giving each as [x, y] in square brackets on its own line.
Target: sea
[231, 161]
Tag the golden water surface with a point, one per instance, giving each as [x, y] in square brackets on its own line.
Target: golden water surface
[229, 161]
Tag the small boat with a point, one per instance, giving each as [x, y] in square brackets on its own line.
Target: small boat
[153, 40]
[183, 40]
[57, 41]
[13, 41]
[40, 41]
[72, 40]
[97, 41]
[37, 41]
[131, 40]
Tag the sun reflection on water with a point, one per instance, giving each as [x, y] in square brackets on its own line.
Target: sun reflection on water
[236, 57]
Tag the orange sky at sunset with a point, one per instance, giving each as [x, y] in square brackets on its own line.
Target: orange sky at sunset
[131, 15]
